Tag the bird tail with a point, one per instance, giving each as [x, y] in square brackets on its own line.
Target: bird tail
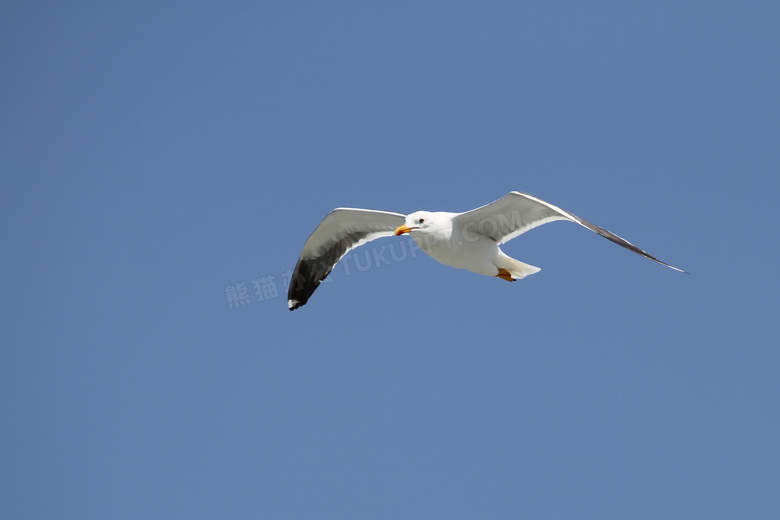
[516, 268]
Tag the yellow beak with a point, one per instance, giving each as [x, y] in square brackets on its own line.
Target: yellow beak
[403, 229]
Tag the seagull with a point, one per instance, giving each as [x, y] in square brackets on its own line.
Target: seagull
[468, 240]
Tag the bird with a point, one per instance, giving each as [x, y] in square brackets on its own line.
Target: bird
[468, 240]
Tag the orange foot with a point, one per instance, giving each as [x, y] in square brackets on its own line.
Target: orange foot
[504, 275]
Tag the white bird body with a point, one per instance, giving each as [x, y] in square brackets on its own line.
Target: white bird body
[468, 240]
[454, 245]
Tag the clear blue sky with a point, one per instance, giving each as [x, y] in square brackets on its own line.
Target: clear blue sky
[155, 156]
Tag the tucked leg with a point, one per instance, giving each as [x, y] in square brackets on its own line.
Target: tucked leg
[504, 275]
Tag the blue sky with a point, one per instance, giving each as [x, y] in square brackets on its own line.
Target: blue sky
[155, 156]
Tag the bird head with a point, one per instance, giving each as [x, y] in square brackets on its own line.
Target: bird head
[417, 220]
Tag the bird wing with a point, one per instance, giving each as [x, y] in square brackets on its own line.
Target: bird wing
[516, 212]
[342, 230]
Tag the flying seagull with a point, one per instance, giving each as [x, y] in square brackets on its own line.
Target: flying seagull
[467, 240]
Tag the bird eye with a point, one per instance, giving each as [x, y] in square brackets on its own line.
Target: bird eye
[421, 221]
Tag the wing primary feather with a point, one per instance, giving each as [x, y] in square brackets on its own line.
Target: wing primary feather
[612, 237]
[342, 230]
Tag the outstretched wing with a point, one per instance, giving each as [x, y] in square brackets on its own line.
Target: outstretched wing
[516, 213]
[342, 230]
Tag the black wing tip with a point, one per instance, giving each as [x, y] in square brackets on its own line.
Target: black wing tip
[654, 259]
[670, 266]
[297, 299]
[306, 277]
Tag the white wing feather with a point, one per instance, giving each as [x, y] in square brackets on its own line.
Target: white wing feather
[516, 212]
